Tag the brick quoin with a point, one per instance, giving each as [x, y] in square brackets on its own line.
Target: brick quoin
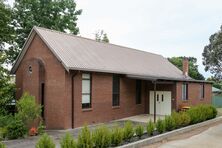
[47, 69]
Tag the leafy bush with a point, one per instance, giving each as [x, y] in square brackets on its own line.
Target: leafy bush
[150, 128]
[85, 138]
[2, 145]
[169, 123]
[28, 109]
[201, 113]
[3, 133]
[68, 142]
[160, 126]
[181, 119]
[128, 131]
[41, 128]
[185, 119]
[5, 120]
[16, 129]
[101, 137]
[45, 142]
[139, 130]
[116, 136]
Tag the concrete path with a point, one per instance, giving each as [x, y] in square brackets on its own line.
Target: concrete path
[211, 138]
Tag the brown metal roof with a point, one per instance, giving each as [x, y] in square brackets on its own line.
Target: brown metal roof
[78, 53]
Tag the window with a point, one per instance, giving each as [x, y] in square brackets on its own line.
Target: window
[202, 91]
[138, 91]
[185, 91]
[86, 90]
[116, 88]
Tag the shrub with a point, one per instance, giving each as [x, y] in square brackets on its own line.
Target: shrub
[185, 119]
[101, 137]
[128, 131]
[169, 123]
[177, 119]
[68, 142]
[160, 126]
[116, 136]
[150, 128]
[201, 113]
[16, 129]
[5, 120]
[2, 145]
[41, 128]
[85, 138]
[28, 109]
[3, 133]
[214, 111]
[139, 130]
[45, 142]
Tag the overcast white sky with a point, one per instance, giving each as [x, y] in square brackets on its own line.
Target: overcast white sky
[166, 27]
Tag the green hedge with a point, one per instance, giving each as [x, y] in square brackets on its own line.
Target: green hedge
[201, 113]
[102, 137]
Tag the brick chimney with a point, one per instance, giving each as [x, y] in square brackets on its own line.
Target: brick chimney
[185, 66]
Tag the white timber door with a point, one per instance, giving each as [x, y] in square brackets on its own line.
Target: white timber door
[163, 102]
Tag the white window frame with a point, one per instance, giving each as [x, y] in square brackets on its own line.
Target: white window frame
[184, 91]
[86, 90]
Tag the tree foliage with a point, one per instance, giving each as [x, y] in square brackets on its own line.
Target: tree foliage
[101, 36]
[6, 30]
[59, 15]
[212, 55]
[28, 109]
[193, 67]
[7, 88]
[216, 83]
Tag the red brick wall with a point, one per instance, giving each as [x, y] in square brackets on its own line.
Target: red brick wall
[193, 94]
[102, 110]
[55, 96]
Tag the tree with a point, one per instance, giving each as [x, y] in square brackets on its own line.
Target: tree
[7, 88]
[212, 55]
[193, 67]
[6, 31]
[216, 83]
[100, 36]
[59, 15]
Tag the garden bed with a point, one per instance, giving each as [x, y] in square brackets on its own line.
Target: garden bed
[146, 140]
[129, 134]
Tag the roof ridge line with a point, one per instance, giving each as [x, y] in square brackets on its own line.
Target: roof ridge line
[110, 44]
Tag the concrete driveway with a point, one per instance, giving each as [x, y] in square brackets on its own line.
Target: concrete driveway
[211, 138]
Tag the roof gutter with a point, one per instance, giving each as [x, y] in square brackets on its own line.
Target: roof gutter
[153, 78]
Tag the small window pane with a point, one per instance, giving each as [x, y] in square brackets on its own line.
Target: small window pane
[85, 98]
[86, 90]
[202, 91]
[184, 92]
[86, 76]
[116, 90]
[85, 86]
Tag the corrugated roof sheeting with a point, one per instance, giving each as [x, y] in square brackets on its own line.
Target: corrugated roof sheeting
[86, 54]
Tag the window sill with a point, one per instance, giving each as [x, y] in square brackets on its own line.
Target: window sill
[185, 101]
[87, 109]
[115, 107]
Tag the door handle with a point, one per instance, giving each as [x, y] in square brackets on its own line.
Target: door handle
[162, 98]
